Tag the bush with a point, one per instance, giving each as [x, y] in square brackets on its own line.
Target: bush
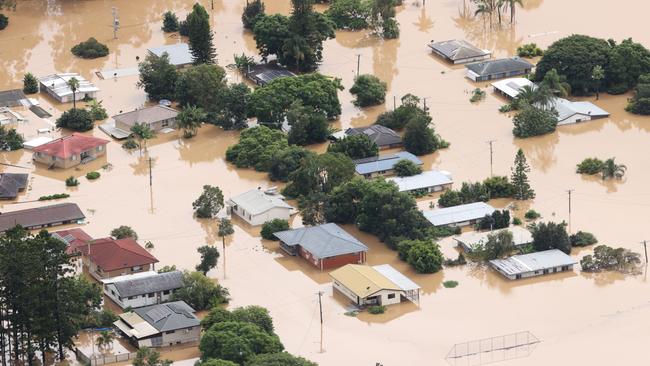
[608, 258]
[516, 221]
[170, 22]
[30, 84]
[130, 144]
[4, 21]
[71, 182]
[75, 119]
[256, 148]
[590, 166]
[582, 239]
[97, 111]
[10, 139]
[377, 309]
[499, 187]
[200, 292]
[90, 49]
[253, 11]
[477, 95]
[369, 91]
[273, 226]
[419, 138]
[406, 168]
[469, 193]
[532, 121]
[529, 50]
[124, 231]
[92, 175]
[53, 197]
[349, 14]
[450, 284]
[532, 215]
[507, 108]
[355, 146]
[425, 257]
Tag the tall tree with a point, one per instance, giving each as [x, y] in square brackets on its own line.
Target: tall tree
[209, 203]
[597, 74]
[519, 178]
[209, 256]
[200, 36]
[225, 229]
[190, 120]
[513, 7]
[73, 83]
[158, 77]
[612, 170]
[143, 132]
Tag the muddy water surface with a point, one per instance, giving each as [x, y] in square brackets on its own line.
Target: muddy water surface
[580, 318]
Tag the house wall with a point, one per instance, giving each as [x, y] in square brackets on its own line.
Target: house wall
[388, 297]
[383, 173]
[137, 301]
[574, 119]
[100, 274]
[537, 273]
[345, 291]
[259, 219]
[471, 59]
[383, 297]
[180, 336]
[341, 260]
[473, 76]
[73, 161]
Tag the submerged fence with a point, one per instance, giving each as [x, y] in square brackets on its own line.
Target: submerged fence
[98, 360]
[491, 350]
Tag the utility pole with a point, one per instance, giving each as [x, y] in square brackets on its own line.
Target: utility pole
[491, 157]
[116, 22]
[569, 191]
[358, 63]
[394, 102]
[150, 176]
[320, 306]
[424, 100]
[645, 248]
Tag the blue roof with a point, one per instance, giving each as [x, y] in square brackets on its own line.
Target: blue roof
[383, 163]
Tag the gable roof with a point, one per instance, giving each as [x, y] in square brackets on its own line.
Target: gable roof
[512, 86]
[460, 213]
[455, 49]
[40, 216]
[380, 135]
[363, 280]
[74, 238]
[257, 201]
[532, 262]
[154, 282]
[383, 163]
[566, 109]
[179, 53]
[58, 84]
[11, 184]
[70, 145]
[169, 316]
[110, 254]
[322, 241]
[147, 115]
[430, 178]
[499, 66]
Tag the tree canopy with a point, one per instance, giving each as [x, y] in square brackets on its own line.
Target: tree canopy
[320, 173]
[200, 36]
[550, 236]
[279, 359]
[356, 147]
[237, 341]
[349, 14]
[402, 115]
[76, 119]
[406, 168]
[124, 231]
[209, 256]
[256, 148]
[533, 121]
[273, 226]
[200, 292]
[158, 77]
[10, 139]
[308, 125]
[519, 178]
[287, 161]
[419, 138]
[369, 90]
[209, 203]
[90, 49]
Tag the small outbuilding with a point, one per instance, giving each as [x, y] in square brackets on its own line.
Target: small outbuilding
[70, 151]
[461, 215]
[377, 285]
[498, 69]
[179, 53]
[425, 182]
[459, 51]
[510, 88]
[258, 206]
[469, 240]
[11, 184]
[384, 137]
[56, 85]
[324, 246]
[263, 74]
[534, 264]
[157, 118]
[142, 289]
[108, 257]
[382, 165]
[42, 217]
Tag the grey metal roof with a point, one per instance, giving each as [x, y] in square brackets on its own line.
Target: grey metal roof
[179, 53]
[145, 285]
[147, 115]
[169, 316]
[430, 178]
[396, 277]
[380, 135]
[257, 201]
[499, 66]
[566, 109]
[383, 163]
[519, 264]
[11, 184]
[456, 214]
[457, 49]
[264, 73]
[512, 86]
[322, 241]
[41, 216]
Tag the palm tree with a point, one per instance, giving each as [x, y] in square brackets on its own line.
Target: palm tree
[225, 229]
[73, 83]
[513, 5]
[190, 120]
[556, 83]
[143, 132]
[612, 170]
[597, 74]
[535, 96]
[105, 339]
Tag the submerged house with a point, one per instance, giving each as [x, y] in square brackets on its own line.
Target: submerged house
[324, 246]
[56, 85]
[498, 69]
[574, 112]
[42, 217]
[384, 137]
[382, 165]
[178, 53]
[520, 237]
[160, 325]
[377, 285]
[108, 257]
[157, 118]
[510, 88]
[258, 206]
[459, 51]
[70, 151]
[534, 264]
[142, 289]
[11, 184]
[461, 215]
[425, 182]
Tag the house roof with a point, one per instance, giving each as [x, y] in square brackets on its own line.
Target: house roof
[520, 236]
[134, 326]
[179, 53]
[499, 66]
[363, 280]
[512, 86]
[380, 135]
[518, 264]
[111, 254]
[383, 163]
[430, 178]
[74, 238]
[70, 145]
[58, 84]
[41, 216]
[265, 73]
[456, 214]
[396, 277]
[566, 109]
[11, 184]
[154, 282]
[458, 49]
[169, 316]
[257, 201]
[322, 241]
[146, 115]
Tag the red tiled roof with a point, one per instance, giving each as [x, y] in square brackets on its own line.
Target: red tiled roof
[68, 146]
[75, 238]
[110, 254]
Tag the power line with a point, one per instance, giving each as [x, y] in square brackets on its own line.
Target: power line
[491, 157]
[116, 22]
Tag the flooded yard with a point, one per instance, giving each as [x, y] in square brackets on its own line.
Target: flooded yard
[580, 318]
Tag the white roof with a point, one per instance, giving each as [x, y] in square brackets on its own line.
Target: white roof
[566, 109]
[257, 201]
[179, 53]
[518, 264]
[37, 141]
[396, 277]
[130, 277]
[456, 214]
[520, 236]
[430, 178]
[58, 84]
[511, 86]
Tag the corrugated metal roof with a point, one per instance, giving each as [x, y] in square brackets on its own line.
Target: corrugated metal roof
[323, 241]
[257, 201]
[519, 264]
[430, 178]
[179, 53]
[147, 115]
[566, 109]
[169, 316]
[512, 86]
[383, 163]
[499, 66]
[380, 135]
[58, 84]
[458, 49]
[456, 214]
[155, 282]
[362, 280]
[396, 277]
[41, 216]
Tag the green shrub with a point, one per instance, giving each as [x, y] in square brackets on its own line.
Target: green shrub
[271, 227]
[532, 215]
[92, 175]
[406, 168]
[377, 309]
[4, 21]
[532, 121]
[76, 119]
[529, 50]
[450, 284]
[90, 49]
[582, 239]
[130, 144]
[10, 139]
[369, 91]
[54, 197]
[170, 22]
[590, 166]
[71, 182]
[507, 108]
[477, 95]
[30, 84]
[516, 221]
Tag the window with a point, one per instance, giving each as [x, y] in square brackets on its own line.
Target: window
[170, 332]
[73, 158]
[391, 296]
[165, 123]
[151, 295]
[54, 158]
[136, 268]
[132, 297]
[166, 292]
[100, 148]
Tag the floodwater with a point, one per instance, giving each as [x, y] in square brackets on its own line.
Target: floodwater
[579, 318]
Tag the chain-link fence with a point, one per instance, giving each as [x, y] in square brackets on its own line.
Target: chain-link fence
[494, 349]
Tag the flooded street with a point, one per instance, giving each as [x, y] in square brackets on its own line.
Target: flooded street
[580, 318]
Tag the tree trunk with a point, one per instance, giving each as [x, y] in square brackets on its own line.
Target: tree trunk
[513, 5]
[223, 238]
[74, 99]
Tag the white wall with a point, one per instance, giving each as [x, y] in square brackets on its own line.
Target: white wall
[259, 219]
[575, 119]
[137, 301]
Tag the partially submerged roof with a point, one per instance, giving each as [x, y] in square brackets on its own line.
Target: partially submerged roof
[265, 73]
[322, 241]
[456, 214]
[70, 145]
[383, 163]
[169, 316]
[58, 84]
[500, 66]
[38, 141]
[73, 238]
[112, 254]
[179, 53]
[519, 264]
[512, 86]
[380, 135]
[430, 178]
[566, 109]
[147, 115]
[363, 280]
[520, 236]
[456, 49]
[257, 201]
[41, 216]
[154, 282]
[11, 184]
[396, 277]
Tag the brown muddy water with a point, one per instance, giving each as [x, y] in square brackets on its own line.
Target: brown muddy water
[580, 318]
